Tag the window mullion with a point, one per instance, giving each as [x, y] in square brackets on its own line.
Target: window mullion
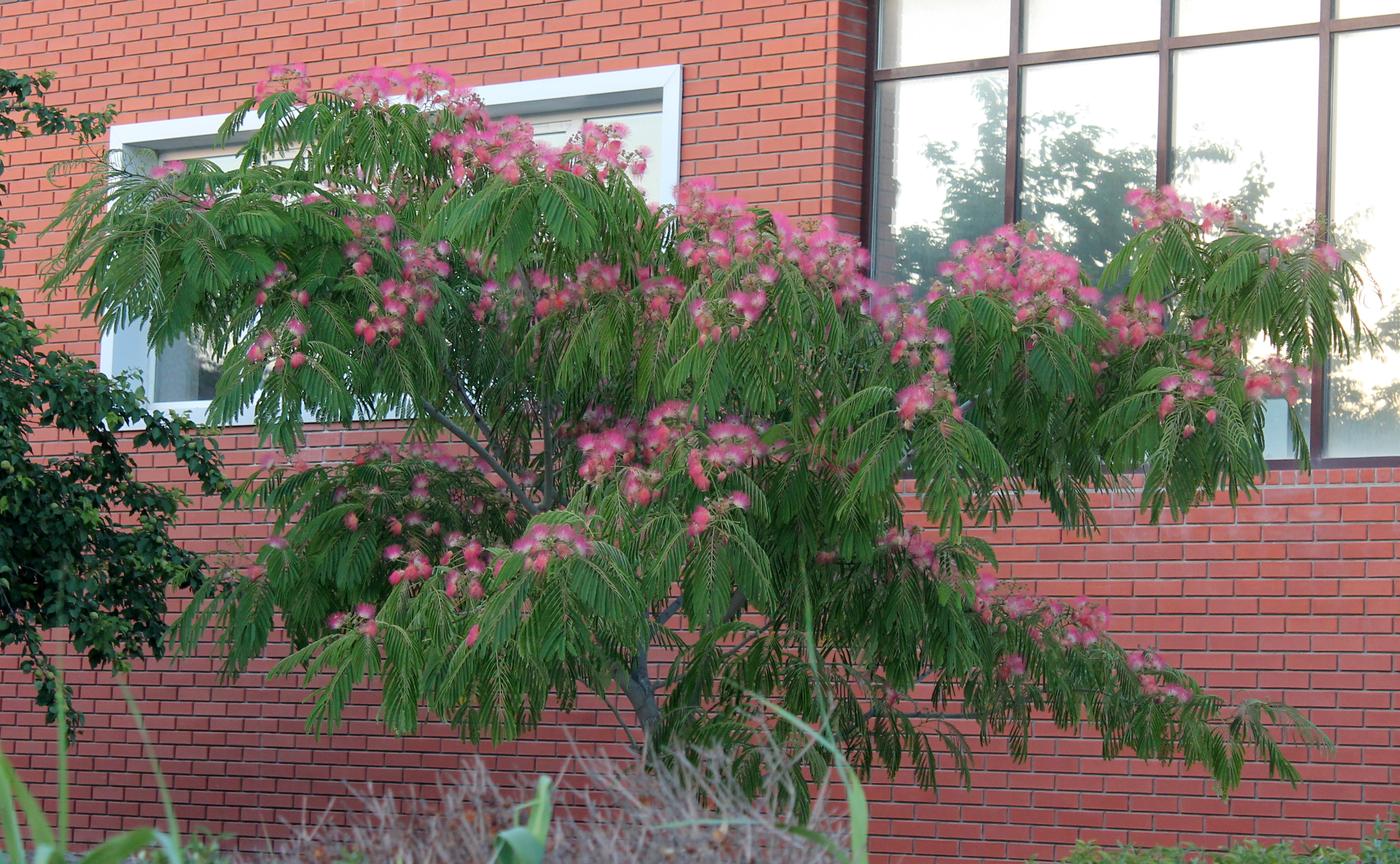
[1164, 98]
[1013, 113]
[1317, 424]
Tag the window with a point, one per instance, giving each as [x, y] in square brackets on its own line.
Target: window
[183, 376]
[1049, 110]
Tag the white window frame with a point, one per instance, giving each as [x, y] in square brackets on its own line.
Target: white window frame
[572, 93]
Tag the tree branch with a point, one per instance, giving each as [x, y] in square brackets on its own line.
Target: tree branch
[669, 612]
[737, 602]
[509, 479]
[479, 418]
[639, 690]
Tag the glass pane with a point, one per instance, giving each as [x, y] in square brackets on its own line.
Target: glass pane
[1256, 153]
[224, 158]
[1213, 16]
[184, 373]
[643, 130]
[941, 169]
[1055, 24]
[1250, 152]
[1363, 411]
[1088, 134]
[915, 32]
[1362, 8]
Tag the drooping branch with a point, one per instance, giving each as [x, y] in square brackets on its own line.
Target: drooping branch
[481, 450]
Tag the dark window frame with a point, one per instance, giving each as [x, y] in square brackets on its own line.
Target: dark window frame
[1325, 29]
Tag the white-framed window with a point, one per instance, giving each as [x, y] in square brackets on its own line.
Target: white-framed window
[647, 101]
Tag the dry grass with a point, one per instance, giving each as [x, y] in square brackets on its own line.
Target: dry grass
[606, 810]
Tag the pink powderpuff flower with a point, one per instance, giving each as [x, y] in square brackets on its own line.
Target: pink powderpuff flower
[473, 633]
[914, 400]
[297, 360]
[1177, 692]
[1167, 406]
[1327, 256]
[365, 610]
[165, 169]
[1019, 605]
[696, 469]
[351, 522]
[699, 522]
[278, 543]
[336, 620]
[740, 500]
[1211, 416]
[1012, 666]
[393, 552]
[987, 582]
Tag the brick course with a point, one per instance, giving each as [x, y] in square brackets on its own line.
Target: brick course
[1292, 595]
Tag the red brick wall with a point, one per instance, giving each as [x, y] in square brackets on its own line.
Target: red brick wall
[1292, 595]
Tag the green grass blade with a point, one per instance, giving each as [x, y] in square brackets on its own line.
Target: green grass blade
[171, 823]
[121, 848]
[40, 834]
[9, 817]
[61, 840]
[518, 846]
[541, 812]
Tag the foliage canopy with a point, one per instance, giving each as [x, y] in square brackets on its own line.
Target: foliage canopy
[649, 449]
[84, 544]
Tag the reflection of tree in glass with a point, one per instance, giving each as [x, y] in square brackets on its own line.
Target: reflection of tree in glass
[1071, 182]
[1369, 410]
[1074, 185]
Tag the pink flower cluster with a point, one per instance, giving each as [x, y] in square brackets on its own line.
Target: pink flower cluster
[1199, 381]
[507, 147]
[733, 445]
[363, 616]
[1155, 208]
[912, 340]
[661, 292]
[632, 448]
[701, 516]
[437, 454]
[923, 396]
[282, 351]
[604, 449]
[1147, 664]
[167, 169]
[279, 275]
[716, 230]
[543, 543]
[1324, 254]
[463, 556]
[591, 278]
[825, 256]
[601, 147]
[1041, 284]
[500, 146]
[370, 87]
[1080, 623]
[285, 77]
[1276, 376]
[410, 298]
[1130, 325]
[919, 549]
